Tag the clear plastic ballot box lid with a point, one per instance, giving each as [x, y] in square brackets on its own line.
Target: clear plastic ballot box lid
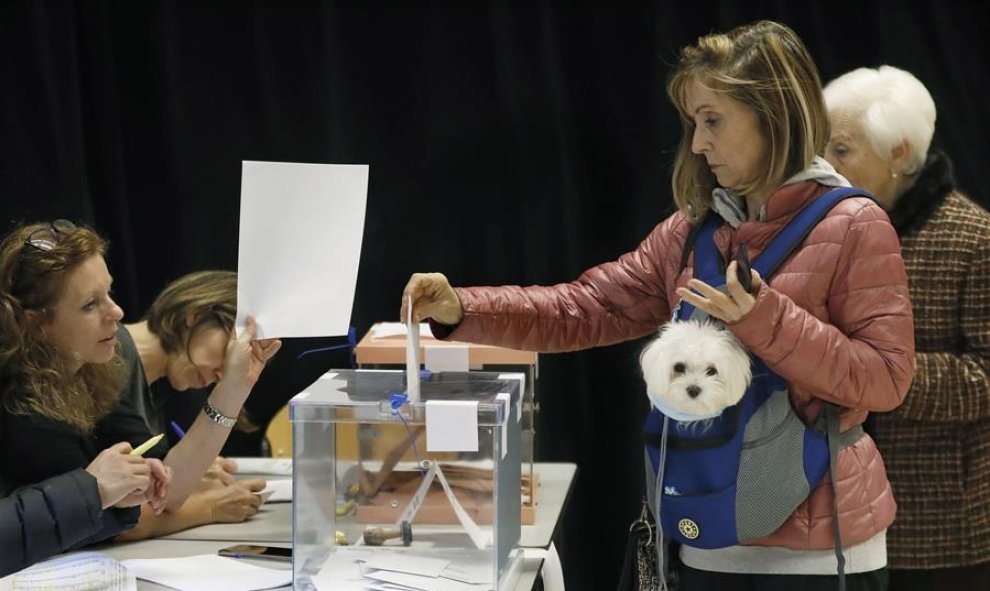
[423, 494]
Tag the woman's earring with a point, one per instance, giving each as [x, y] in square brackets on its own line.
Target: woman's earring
[893, 174]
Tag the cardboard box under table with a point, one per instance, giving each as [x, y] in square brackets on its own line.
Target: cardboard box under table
[392, 491]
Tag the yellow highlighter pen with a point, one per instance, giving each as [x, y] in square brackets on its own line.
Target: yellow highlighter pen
[139, 450]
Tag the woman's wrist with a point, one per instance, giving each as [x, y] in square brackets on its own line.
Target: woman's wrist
[200, 509]
[228, 398]
[217, 416]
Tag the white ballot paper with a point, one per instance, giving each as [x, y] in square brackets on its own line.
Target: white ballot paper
[267, 466]
[300, 244]
[277, 491]
[412, 353]
[208, 572]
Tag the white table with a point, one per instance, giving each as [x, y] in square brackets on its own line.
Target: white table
[161, 548]
[273, 527]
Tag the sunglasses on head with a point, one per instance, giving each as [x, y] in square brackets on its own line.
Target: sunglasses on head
[47, 238]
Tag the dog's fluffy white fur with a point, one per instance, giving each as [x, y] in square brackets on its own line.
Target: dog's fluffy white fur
[698, 368]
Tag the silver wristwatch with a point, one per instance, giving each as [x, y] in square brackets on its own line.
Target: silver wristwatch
[217, 417]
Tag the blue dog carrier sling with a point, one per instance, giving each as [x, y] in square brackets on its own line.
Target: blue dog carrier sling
[739, 476]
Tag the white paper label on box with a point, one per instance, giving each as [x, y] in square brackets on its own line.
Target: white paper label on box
[452, 425]
[446, 358]
[522, 390]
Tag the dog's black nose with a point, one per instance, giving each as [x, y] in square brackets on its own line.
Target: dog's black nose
[693, 391]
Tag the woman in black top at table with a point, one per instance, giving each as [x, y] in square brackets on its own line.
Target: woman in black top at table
[61, 373]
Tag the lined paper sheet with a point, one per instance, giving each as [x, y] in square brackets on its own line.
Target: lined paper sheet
[82, 571]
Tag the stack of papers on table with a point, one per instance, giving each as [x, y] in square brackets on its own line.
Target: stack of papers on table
[83, 571]
[208, 572]
[266, 466]
[358, 568]
[277, 491]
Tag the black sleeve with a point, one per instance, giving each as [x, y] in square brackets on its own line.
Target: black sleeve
[124, 424]
[52, 516]
[113, 522]
[35, 448]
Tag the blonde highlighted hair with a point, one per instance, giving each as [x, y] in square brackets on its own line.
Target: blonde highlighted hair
[34, 376]
[765, 66]
[199, 300]
[193, 302]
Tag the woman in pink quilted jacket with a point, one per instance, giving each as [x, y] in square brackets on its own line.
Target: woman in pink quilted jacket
[834, 320]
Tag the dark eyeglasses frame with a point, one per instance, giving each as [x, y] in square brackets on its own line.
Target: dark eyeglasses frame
[45, 239]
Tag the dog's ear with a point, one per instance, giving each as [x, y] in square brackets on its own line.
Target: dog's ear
[650, 354]
[657, 348]
[737, 372]
[737, 379]
[656, 373]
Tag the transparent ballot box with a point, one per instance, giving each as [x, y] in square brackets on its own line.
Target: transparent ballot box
[389, 490]
[384, 346]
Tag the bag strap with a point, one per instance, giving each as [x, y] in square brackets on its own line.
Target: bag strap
[832, 430]
[692, 237]
[629, 561]
[794, 233]
[642, 533]
[709, 264]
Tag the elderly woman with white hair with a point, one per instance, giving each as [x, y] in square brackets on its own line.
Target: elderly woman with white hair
[937, 444]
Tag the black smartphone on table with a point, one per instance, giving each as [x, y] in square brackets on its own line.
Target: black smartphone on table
[251, 551]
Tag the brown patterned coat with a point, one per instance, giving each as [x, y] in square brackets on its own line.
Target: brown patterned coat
[937, 444]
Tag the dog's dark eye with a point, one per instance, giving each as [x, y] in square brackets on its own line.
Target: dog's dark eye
[679, 368]
[711, 371]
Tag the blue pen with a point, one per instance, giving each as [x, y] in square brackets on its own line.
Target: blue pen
[178, 430]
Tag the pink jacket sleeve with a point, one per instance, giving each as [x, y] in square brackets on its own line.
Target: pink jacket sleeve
[613, 302]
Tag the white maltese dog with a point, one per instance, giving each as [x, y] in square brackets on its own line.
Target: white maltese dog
[695, 370]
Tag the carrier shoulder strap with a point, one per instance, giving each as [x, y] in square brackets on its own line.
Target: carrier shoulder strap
[708, 261]
[797, 229]
[692, 237]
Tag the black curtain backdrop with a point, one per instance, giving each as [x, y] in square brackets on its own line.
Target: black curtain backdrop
[509, 143]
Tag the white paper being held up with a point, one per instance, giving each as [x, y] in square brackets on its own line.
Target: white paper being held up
[301, 228]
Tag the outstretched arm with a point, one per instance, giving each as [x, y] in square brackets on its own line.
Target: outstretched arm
[217, 503]
[613, 302]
